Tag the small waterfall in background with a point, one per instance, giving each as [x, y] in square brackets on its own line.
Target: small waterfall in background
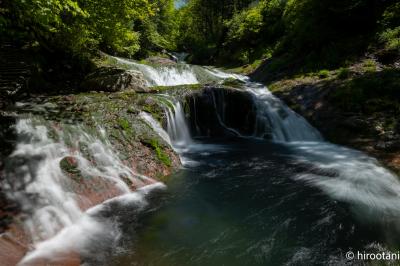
[181, 57]
[163, 75]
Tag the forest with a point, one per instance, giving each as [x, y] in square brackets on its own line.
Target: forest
[228, 32]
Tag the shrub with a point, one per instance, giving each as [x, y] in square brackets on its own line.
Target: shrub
[323, 73]
[343, 73]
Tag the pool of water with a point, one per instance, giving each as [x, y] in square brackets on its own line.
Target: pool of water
[241, 204]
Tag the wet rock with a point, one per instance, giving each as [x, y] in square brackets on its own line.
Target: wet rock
[69, 165]
[390, 136]
[214, 112]
[157, 60]
[112, 79]
[388, 146]
[356, 123]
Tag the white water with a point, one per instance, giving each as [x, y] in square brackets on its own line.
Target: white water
[353, 177]
[178, 129]
[155, 125]
[276, 117]
[272, 114]
[163, 75]
[45, 190]
[359, 179]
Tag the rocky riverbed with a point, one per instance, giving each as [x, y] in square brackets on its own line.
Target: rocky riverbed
[356, 106]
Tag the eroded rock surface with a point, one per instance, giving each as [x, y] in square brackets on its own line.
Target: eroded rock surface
[113, 79]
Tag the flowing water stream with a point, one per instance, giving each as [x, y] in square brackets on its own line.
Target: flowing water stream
[282, 198]
[291, 200]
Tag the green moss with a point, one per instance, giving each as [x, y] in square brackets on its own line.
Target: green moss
[126, 126]
[161, 155]
[69, 166]
[231, 82]
[178, 87]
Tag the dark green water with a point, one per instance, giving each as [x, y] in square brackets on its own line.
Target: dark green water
[239, 204]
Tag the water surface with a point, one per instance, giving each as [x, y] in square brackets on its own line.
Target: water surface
[242, 203]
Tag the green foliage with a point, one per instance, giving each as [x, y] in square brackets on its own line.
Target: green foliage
[369, 65]
[323, 73]
[201, 26]
[373, 91]
[391, 38]
[313, 34]
[245, 24]
[80, 27]
[343, 73]
[159, 31]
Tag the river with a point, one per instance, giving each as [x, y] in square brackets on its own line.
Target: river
[277, 195]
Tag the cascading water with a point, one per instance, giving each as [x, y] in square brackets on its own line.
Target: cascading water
[275, 119]
[156, 126]
[275, 216]
[257, 202]
[163, 75]
[177, 127]
[274, 116]
[57, 202]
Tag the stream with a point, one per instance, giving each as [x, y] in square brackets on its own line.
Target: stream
[276, 194]
[243, 203]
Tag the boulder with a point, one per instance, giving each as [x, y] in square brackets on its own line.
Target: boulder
[388, 146]
[356, 123]
[112, 79]
[157, 60]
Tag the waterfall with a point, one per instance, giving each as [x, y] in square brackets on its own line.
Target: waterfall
[163, 75]
[155, 125]
[177, 126]
[272, 115]
[56, 197]
[276, 117]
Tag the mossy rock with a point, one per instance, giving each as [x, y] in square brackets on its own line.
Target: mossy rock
[69, 165]
[112, 79]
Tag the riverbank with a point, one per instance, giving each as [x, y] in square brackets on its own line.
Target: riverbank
[357, 105]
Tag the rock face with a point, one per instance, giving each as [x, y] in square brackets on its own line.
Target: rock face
[161, 61]
[221, 112]
[354, 129]
[138, 148]
[112, 79]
